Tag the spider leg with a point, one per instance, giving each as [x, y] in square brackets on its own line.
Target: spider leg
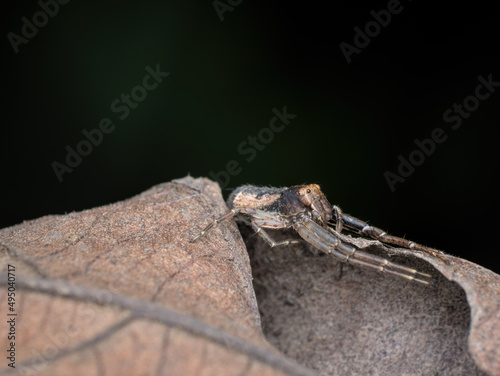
[362, 228]
[260, 219]
[329, 243]
[272, 243]
[339, 223]
[230, 214]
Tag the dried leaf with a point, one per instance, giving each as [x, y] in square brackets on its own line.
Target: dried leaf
[119, 289]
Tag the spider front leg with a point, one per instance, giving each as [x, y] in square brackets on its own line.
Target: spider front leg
[362, 228]
[339, 223]
[329, 243]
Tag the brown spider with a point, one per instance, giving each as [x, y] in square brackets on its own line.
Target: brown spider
[306, 209]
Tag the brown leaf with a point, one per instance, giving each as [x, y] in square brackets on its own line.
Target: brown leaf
[120, 290]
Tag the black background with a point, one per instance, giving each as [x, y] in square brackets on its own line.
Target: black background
[353, 119]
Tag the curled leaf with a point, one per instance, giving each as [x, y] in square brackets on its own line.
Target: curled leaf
[120, 289]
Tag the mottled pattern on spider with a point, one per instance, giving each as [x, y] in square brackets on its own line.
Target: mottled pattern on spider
[306, 209]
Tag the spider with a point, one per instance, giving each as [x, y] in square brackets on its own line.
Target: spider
[306, 209]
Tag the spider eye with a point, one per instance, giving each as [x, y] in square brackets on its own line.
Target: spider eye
[308, 191]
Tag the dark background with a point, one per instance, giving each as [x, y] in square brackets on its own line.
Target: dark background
[353, 119]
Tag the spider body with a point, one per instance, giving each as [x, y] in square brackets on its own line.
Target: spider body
[283, 201]
[306, 209]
